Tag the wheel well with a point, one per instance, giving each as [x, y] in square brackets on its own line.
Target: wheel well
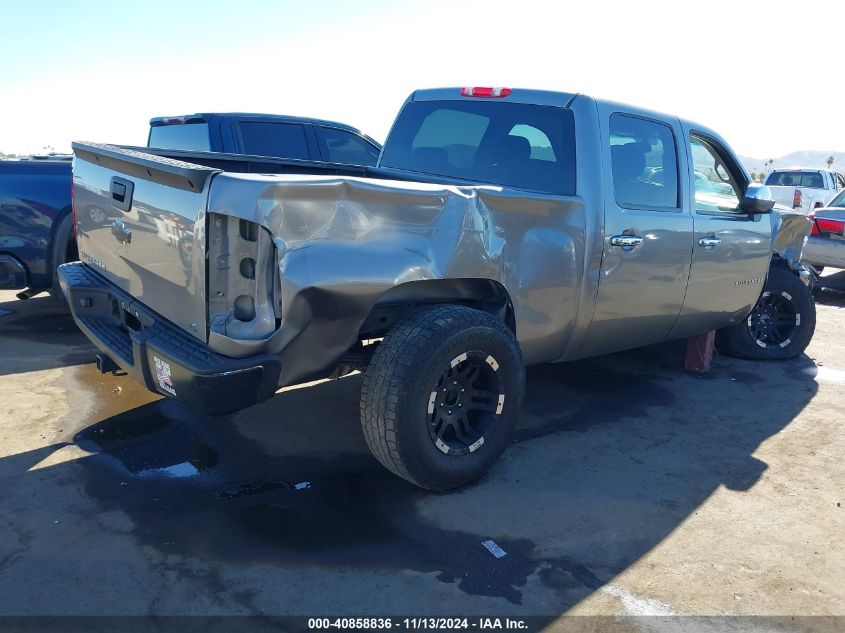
[69, 250]
[482, 294]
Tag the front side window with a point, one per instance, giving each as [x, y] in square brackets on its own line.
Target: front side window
[281, 140]
[644, 163]
[510, 144]
[345, 147]
[716, 190]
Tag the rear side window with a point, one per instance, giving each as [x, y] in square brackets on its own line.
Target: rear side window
[282, 140]
[345, 147]
[189, 136]
[809, 179]
[510, 144]
[644, 163]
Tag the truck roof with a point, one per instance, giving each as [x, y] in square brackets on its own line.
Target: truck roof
[802, 169]
[548, 98]
[515, 95]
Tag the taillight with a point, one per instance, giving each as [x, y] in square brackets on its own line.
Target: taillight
[826, 225]
[796, 199]
[485, 92]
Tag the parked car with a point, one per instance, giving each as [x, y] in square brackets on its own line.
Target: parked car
[804, 189]
[501, 228]
[265, 135]
[35, 222]
[826, 245]
[35, 218]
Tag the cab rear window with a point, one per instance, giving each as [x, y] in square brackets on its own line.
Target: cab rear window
[189, 136]
[517, 145]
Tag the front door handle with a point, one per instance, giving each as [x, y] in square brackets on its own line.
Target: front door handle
[709, 242]
[626, 241]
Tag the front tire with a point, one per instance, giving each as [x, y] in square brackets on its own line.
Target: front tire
[781, 324]
[442, 395]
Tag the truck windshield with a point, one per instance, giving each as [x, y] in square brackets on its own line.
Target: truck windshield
[190, 136]
[512, 144]
[810, 179]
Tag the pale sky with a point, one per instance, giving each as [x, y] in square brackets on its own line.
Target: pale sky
[763, 74]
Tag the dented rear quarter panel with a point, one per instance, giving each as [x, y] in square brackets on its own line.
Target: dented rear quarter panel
[343, 243]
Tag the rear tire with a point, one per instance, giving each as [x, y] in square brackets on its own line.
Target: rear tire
[442, 395]
[780, 326]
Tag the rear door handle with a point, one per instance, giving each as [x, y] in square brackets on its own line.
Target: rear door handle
[626, 241]
[709, 242]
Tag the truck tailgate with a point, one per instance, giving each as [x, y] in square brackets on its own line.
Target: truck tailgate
[782, 194]
[141, 224]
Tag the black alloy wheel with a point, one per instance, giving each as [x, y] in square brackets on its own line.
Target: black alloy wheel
[466, 400]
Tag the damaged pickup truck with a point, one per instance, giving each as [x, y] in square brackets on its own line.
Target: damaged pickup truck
[501, 228]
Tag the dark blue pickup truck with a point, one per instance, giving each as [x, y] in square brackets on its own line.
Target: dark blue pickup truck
[36, 229]
[265, 135]
[35, 222]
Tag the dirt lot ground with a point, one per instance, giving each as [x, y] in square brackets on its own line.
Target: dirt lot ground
[633, 488]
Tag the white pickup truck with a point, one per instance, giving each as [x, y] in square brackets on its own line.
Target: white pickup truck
[804, 189]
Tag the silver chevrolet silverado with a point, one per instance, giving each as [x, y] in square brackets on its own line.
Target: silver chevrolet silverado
[501, 228]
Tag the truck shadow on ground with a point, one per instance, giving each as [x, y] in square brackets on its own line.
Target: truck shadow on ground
[38, 334]
[611, 456]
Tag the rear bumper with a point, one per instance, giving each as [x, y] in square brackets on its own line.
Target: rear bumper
[160, 355]
[824, 251]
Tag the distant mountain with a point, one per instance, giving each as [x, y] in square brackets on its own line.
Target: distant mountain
[812, 159]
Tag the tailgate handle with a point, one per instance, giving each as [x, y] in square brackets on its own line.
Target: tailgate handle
[121, 193]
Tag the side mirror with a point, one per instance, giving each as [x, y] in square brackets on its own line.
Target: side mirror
[757, 199]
